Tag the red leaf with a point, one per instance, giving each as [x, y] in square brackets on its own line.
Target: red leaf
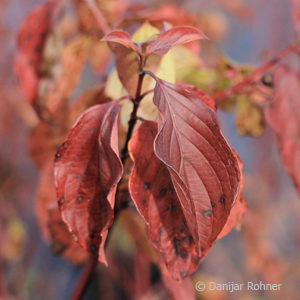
[178, 290]
[31, 40]
[172, 37]
[295, 10]
[153, 193]
[121, 37]
[200, 94]
[238, 208]
[203, 169]
[87, 170]
[53, 228]
[283, 116]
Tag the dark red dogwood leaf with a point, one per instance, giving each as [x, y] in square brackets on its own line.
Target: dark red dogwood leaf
[239, 206]
[177, 290]
[121, 37]
[31, 41]
[172, 37]
[203, 168]
[54, 230]
[152, 191]
[87, 170]
[283, 116]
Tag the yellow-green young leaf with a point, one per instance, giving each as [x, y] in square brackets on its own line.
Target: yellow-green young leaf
[114, 88]
[145, 32]
[166, 71]
[185, 60]
[249, 118]
[202, 78]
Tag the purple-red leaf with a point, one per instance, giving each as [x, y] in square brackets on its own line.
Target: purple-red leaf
[54, 230]
[87, 170]
[172, 37]
[121, 37]
[203, 168]
[153, 193]
[283, 116]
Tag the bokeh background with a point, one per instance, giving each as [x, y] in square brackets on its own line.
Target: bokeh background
[267, 245]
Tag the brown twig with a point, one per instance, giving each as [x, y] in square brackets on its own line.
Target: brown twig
[133, 118]
[224, 94]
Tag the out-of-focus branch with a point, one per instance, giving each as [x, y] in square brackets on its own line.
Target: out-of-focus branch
[224, 94]
[98, 16]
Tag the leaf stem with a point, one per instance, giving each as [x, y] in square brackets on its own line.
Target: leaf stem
[222, 95]
[84, 278]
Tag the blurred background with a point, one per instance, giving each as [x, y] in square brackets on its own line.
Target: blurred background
[267, 245]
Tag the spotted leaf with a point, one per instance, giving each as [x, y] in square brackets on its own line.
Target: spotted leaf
[87, 170]
[152, 191]
[203, 168]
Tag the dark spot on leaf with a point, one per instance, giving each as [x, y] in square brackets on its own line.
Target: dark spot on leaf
[184, 254]
[176, 244]
[173, 207]
[147, 186]
[196, 259]
[171, 189]
[207, 213]
[189, 239]
[57, 156]
[93, 249]
[92, 236]
[222, 199]
[144, 202]
[183, 274]
[162, 192]
[61, 201]
[79, 198]
[213, 204]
